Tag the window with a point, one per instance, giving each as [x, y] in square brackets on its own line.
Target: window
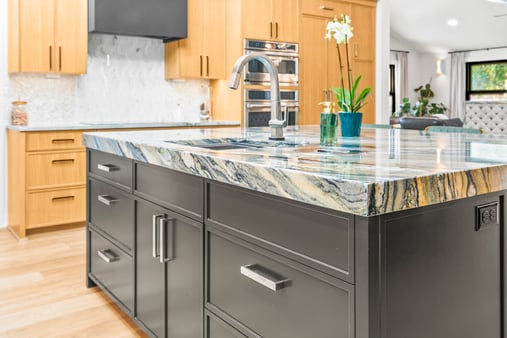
[487, 81]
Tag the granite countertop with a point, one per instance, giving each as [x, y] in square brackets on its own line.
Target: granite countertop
[383, 171]
[119, 125]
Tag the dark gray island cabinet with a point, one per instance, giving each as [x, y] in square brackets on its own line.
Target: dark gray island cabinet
[186, 256]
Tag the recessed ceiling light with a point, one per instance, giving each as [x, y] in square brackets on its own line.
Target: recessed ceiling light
[452, 22]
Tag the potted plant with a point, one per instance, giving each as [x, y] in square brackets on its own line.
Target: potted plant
[349, 101]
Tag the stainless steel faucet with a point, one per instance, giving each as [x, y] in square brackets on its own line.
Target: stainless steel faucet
[276, 122]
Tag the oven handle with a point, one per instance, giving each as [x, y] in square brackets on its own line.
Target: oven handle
[288, 56]
[267, 105]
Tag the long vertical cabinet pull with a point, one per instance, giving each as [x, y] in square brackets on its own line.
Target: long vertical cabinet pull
[154, 242]
[207, 65]
[50, 57]
[60, 58]
[166, 245]
[271, 29]
[200, 62]
[276, 30]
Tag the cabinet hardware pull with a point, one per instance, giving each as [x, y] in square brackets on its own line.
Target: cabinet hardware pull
[62, 140]
[356, 51]
[63, 198]
[200, 56]
[67, 160]
[325, 8]
[207, 65]
[107, 167]
[260, 275]
[276, 29]
[271, 29]
[155, 251]
[108, 256]
[60, 58]
[50, 57]
[107, 200]
[166, 246]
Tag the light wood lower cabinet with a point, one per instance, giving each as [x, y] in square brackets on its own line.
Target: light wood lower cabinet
[46, 179]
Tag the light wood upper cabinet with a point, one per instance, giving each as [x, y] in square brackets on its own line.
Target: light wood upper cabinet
[202, 53]
[271, 20]
[48, 36]
[363, 42]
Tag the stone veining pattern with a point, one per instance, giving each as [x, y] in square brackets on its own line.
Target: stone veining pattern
[381, 172]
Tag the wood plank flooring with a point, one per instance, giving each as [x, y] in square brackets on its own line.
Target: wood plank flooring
[43, 290]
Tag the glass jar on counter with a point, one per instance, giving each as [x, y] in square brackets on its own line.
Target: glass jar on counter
[19, 113]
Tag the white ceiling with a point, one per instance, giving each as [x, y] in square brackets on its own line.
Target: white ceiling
[423, 24]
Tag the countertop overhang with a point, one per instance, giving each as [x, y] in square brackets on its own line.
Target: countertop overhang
[383, 171]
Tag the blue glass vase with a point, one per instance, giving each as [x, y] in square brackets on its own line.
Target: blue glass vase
[350, 123]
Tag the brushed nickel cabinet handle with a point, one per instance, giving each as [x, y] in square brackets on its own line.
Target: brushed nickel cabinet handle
[276, 29]
[259, 275]
[166, 245]
[107, 167]
[60, 58]
[107, 200]
[207, 65]
[108, 256]
[271, 29]
[63, 198]
[50, 57]
[67, 160]
[325, 8]
[62, 140]
[154, 248]
[201, 71]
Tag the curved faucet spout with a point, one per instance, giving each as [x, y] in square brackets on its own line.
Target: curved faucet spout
[276, 123]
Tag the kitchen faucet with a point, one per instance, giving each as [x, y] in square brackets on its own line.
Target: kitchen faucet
[276, 122]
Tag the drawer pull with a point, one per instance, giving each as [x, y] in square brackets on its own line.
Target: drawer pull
[260, 275]
[107, 200]
[325, 8]
[62, 140]
[154, 247]
[68, 160]
[107, 167]
[108, 256]
[63, 198]
[166, 245]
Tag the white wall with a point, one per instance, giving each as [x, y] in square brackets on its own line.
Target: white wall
[486, 55]
[125, 82]
[382, 62]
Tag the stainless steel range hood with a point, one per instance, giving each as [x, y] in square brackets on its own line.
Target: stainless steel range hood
[162, 19]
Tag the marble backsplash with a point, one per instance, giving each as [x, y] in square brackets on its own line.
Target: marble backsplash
[124, 82]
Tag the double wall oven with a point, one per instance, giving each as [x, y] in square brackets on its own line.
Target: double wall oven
[257, 95]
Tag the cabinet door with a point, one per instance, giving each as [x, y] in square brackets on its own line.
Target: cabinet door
[285, 19]
[189, 49]
[36, 33]
[257, 23]
[71, 36]
[150, 273]
[213, 45]
[363, 43]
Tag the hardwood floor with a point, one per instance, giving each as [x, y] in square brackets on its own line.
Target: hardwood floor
[43, 291]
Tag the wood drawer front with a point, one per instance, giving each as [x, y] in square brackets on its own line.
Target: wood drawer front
[323, 240]
[117, 275]
[116, 169]
[311, 304]
[49, 170]
[325, 8]
[54, 140]
[174, 190]
[112, 210]
[55, 207]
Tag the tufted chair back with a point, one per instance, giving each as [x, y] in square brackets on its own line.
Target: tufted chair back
[491, 117]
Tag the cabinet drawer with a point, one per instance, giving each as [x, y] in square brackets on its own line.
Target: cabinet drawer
[325, 8]
[174, 190]
[217, 328]
[54, 140]
[113, 268]
[55, 207]
[114, 168]
[112, 210]
[47, 170]
[318, 237]
[242, 280]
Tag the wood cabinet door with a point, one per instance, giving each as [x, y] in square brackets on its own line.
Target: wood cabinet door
[285, 19]
[363, 43]
[257, 22]
[71, 36]
[36, 36]
[214, 32]
[189, 49]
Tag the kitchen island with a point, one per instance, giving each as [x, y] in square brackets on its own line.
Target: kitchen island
[395, 234]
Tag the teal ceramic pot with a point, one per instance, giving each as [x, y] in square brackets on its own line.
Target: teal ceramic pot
[350, 123]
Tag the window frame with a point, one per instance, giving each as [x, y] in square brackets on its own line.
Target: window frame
[468, 89]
